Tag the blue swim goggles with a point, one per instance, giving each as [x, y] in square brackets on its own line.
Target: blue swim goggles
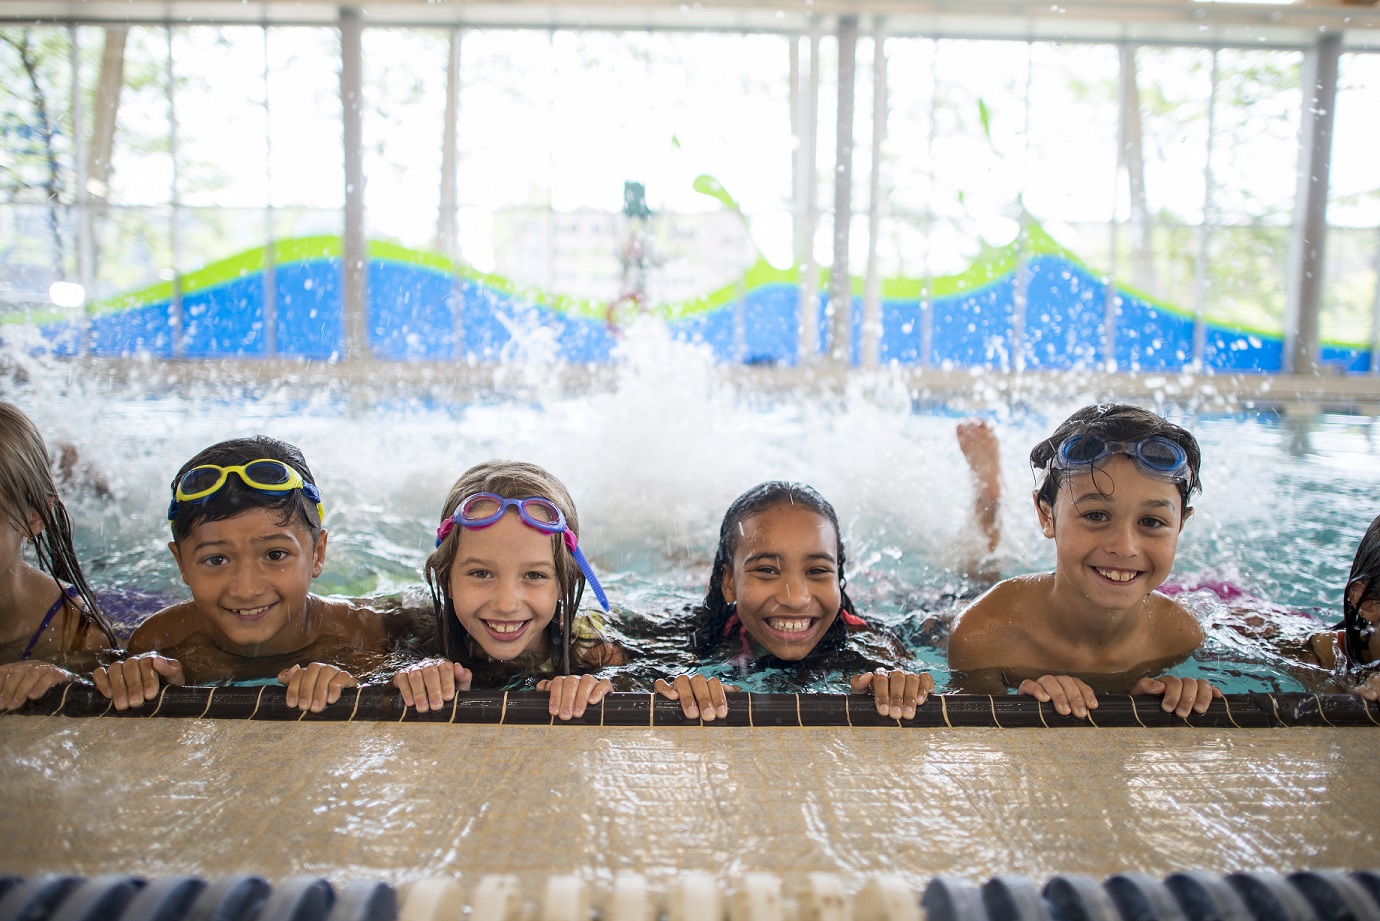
[1157, 455]
[264, 475]
[485, 508]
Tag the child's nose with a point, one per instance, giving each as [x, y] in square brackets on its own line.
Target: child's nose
[245, 582]
[1123, 540]
[508, 597]
[795, 593]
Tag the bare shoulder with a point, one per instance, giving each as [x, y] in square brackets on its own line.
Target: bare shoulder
[170, 627]
[353, 620]
[986, 630]
[1176, 630]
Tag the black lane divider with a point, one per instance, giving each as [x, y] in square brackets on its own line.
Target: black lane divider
[527, 708]
[1187, 896]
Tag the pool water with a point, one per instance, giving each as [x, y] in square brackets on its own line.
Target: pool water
[656, 452]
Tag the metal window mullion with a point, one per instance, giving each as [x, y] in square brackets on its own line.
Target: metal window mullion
[1200, 280]
[270, 316]
[80, 200]
[176, 318]
[872, 294]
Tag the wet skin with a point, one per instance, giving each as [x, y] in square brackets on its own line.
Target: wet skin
[785, 579]
[504, 587]
[250, 576]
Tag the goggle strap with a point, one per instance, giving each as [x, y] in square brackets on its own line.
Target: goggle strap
[574, 547]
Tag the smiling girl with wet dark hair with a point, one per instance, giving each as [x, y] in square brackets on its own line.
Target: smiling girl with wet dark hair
[1351, 649]
[776, 599]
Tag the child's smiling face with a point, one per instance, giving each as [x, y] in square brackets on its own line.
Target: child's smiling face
[250, 575]
[785, 579]
[1116, 531]
[504, 586]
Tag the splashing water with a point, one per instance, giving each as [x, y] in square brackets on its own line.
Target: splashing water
[655, 446]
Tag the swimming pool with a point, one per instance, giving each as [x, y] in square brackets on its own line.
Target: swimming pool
[656, 450]
[653, 454]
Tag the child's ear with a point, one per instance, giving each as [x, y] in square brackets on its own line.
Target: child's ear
[1188, 513]
[1046, 514]
[1354, 591]
[318, 555]
[34, 523]
[730, 589]
[177, 555]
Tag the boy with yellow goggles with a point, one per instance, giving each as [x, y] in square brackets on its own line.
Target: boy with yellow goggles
[264, 475]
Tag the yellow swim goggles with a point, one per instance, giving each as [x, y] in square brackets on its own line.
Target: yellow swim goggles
[264, 475]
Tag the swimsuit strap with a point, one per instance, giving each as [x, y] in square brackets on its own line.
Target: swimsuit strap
[69, 591]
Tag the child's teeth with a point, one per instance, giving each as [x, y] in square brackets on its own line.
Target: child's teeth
[790, 626]
[1117, 575]
[500, 627]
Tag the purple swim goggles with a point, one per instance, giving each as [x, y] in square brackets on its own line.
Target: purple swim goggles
[485, 508]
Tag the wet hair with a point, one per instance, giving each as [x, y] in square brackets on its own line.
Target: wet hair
[1365, 568]
[710, 618]
[1113, 422]
[26, 488]
[236, 498]
[511, 480]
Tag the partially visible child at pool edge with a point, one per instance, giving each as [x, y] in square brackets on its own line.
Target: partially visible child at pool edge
[506, 578]
[247, 539]
[777, 592]
[1117, 482]
[1352, 648]
[50, 623]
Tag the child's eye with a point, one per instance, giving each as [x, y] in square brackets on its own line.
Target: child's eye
[214, 560]
[277, 556]
[821, 571]
[537, 575]
[1153, 523]
[764, 570]
[1096, 517]
[479, 574]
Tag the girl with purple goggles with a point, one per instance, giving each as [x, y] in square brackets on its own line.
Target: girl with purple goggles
[485, 508]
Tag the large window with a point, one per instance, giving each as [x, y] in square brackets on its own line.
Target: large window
[150, 162]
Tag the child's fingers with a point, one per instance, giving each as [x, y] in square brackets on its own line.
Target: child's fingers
[704, 697]
[860, 683]
[102, 682]
[1089, 698]
[692, 696]
[1148, 686]
[579, 697]
[8, 688]
[403, 682]
[440, 685]
[1033, 689]
[926, 688]
[1173, 690]
[883, 692]
[170, 670]
[337, 683]
[602, 688]
[717, 696]
[148, 676]
[292, 677]
[665, 689]
[463, 676]
[37, 681]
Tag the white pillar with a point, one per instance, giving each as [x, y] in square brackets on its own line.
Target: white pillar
[1200, 269]
[840, 281]
[354, 254]
[807, 181]
[447, 216]
[872, 287]
[1309, 243]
